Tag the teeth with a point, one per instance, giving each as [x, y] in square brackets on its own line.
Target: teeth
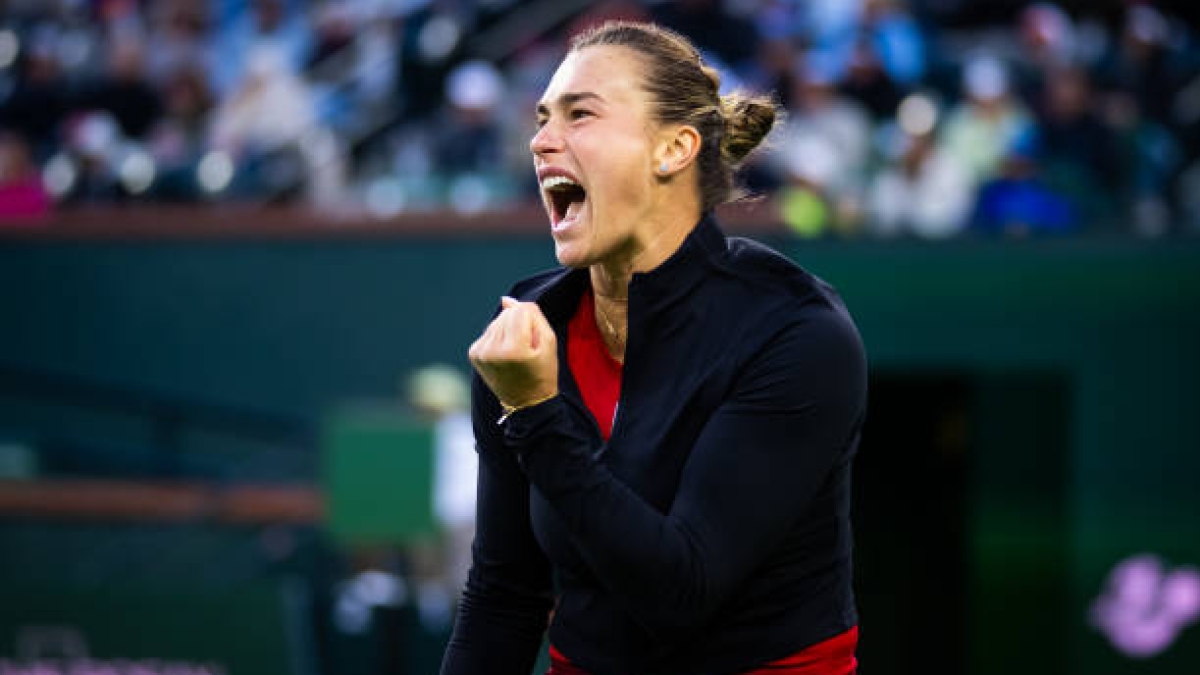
[551, 182]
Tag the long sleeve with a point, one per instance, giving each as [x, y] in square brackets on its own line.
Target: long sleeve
[506, 605]
[758, 463]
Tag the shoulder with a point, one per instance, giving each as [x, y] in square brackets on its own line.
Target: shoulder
[800, 346]
[747, 257]
[788, 311]
[766, 277]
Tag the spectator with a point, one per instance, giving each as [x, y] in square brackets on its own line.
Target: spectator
[260, 24]
[38, 102]
[1138, 71]
[1018, 202]
[180, 138]
[826, 137]
[774, 69]
[867, 82]
[1141, 78]
[124, 91]
[179, 38]
[874, 46]
[980, 129]
[469, 141]
[1046, 38]
[430, 44]
[352, 71]
[261, 124]
[1078, 151]
[331, 67]
[23, 200]
[718, 33]
[93, 145]
[896, 41]
[805, 203]
[830, 26]
[925, 191]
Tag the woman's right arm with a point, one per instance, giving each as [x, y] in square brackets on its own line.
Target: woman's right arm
[506, 605]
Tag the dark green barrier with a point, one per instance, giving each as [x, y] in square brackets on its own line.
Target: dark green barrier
[250, 631]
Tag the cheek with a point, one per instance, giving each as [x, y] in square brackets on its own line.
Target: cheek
[620, 181]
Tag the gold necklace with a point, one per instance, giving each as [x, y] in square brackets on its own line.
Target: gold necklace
[616, 337]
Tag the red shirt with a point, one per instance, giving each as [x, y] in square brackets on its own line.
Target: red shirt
[596, 372]
[598, 375]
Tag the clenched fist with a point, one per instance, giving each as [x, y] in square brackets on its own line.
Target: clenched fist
[517, 356]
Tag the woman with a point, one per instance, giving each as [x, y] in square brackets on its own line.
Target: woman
[665, 424]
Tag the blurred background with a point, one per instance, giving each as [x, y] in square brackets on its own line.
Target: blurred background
[244, 246]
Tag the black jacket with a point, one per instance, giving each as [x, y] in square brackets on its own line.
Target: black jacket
[711, 534]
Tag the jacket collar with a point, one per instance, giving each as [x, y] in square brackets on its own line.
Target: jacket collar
[651, 291]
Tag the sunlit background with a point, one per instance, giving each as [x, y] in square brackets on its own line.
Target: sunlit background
[244, 246]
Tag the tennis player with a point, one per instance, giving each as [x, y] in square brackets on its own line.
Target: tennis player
[666, 423]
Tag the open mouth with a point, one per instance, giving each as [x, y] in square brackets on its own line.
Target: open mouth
[565, 197]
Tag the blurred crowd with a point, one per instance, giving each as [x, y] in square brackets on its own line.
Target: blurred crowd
[932, 119]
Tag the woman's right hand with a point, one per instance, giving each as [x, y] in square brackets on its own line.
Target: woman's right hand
[517, 355]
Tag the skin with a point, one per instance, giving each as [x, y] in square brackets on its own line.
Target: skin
[643, 199]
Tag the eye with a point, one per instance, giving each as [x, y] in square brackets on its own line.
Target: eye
[580, 113]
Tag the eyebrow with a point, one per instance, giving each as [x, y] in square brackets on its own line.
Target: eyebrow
[568, 99]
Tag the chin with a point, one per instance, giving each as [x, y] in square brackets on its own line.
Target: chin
[571, 256]
[574, 247]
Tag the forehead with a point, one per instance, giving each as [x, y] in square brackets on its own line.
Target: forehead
[612, 72]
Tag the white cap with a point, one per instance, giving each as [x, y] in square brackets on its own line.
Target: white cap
[985, 77]
[439, 388]
[475, 85]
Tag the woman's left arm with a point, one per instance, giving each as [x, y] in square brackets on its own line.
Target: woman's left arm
[762, 457]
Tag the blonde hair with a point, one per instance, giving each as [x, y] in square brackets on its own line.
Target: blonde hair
[684, 90]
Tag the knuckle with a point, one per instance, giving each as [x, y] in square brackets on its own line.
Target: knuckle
[506, 355]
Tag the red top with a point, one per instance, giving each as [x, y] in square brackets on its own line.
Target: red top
[596, 371]
[598, 375]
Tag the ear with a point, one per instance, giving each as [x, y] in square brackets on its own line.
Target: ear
[678, 147]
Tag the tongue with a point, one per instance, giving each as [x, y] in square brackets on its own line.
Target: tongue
[573, 210]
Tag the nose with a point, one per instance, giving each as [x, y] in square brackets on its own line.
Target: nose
[546, 140]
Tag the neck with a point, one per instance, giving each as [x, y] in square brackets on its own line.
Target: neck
[610, 287]
[659, 239]
[611, 277]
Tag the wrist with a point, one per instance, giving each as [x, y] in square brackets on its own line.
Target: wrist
[508, 409]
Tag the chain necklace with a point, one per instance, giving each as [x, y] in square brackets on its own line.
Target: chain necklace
[615, 338]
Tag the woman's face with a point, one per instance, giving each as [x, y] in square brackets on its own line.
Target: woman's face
[594, 155]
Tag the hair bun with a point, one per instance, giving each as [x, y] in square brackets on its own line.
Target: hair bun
[748, 120]
[682, 89]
